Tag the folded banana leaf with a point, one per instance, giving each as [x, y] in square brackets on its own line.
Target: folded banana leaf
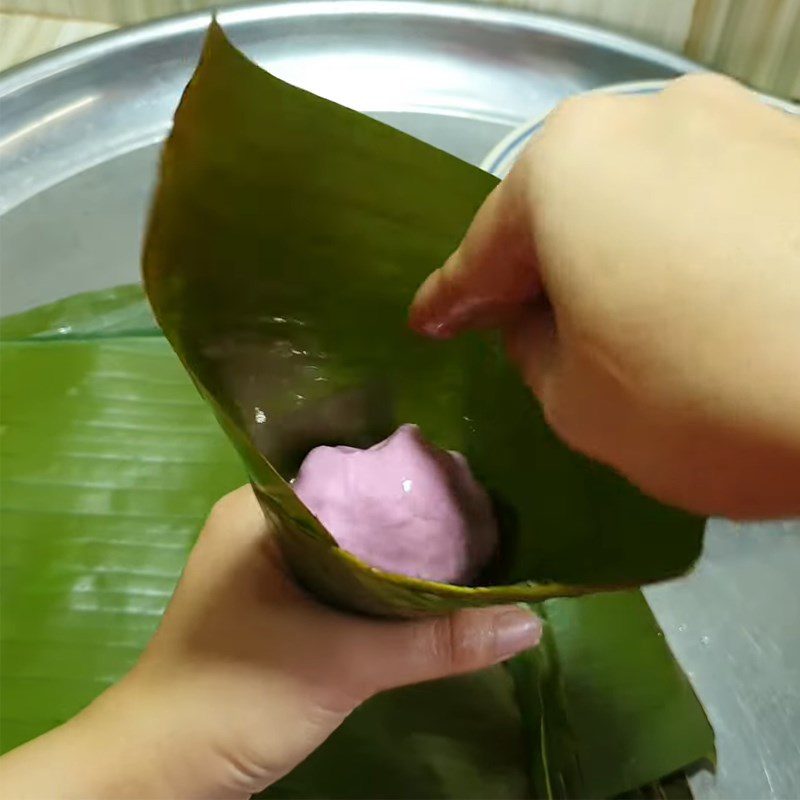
[286, 240]
[110, 462]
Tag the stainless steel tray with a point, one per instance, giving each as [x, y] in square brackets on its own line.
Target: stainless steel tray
[79, 134]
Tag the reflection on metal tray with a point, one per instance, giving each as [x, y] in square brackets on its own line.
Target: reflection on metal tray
[502, 156]
[79, 135]
[80, 127]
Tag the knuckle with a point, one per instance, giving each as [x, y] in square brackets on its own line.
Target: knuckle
[456, 649]
[445, 646]
[222, 507]
[563, 408]
[709, 84]
[228, 504]
[553, 409]
[575, 127]
[573, 112]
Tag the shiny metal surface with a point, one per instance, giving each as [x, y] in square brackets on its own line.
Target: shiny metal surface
[79, 128]
[502, 156]
[733, 625]
[79, 134]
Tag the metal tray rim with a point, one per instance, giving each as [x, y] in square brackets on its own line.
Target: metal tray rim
[501, 157]
[42, 67]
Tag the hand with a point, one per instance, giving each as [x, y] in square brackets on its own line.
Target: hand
[643, 260]
[246, 676]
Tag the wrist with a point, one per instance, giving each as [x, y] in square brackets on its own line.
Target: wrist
[112, 750]
[139, 749]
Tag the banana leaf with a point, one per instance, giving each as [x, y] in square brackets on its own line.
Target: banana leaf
[110, 462]
[121, 310]
[285, 242]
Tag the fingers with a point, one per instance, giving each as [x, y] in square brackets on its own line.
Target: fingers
[469, 640]
[489, 276]
[361, 655]
[235, 523]
[532, 343]
[238, 509]
[237, 540]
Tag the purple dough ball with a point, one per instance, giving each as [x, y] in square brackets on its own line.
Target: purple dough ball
[404, 506]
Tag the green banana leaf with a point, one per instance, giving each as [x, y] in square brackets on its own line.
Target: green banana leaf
[110, 463]
[111, 460]
[286, 240]
[122, 310]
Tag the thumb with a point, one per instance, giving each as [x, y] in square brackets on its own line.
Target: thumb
[489, 276]
[465, 641]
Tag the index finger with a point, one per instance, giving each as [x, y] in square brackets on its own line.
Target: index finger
[493, 272]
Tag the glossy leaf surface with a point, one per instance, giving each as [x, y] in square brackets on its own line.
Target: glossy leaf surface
[110, 463]
[287, 238]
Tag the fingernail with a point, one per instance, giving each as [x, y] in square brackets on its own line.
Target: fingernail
[425, 316]
[439, 309]
[443, 316]
[517, 630]
[435, 329]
